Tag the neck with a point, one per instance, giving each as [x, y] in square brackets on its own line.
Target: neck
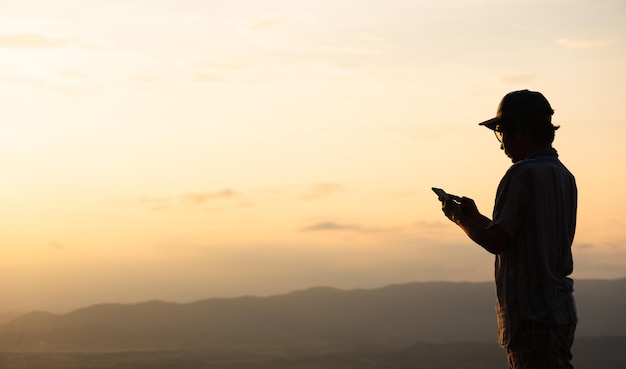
[535, 148]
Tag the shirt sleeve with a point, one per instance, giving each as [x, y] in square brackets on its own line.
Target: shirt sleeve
[509, 204]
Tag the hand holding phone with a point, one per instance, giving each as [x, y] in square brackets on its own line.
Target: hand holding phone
[444, 196]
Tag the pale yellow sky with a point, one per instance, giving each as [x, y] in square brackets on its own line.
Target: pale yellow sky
[180, 150]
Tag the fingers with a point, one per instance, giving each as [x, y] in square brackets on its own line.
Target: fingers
[449, 208]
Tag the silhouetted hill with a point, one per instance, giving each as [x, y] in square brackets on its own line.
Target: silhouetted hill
[400, 314]
[601, 307]
[8, 316]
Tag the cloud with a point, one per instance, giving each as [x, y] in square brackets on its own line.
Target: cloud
[330, 226]
[321, 190]
[334, 226]
[193, 199]
[202, 197]
[212, 65]
[265, 24]
[300, 37]
[228, 71]
[207, 78]
[584, 246]
[432, 225]
[31, 41]
[345, 64]
[56, 246]
[583, 42]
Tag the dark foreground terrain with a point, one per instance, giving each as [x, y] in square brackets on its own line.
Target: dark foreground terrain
[590, 353]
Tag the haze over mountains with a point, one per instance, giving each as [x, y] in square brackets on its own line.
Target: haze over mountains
[436, 312]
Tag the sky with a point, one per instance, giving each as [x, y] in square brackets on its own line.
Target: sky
[183, 150]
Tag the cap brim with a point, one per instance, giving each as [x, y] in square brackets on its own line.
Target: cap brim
[491, 123]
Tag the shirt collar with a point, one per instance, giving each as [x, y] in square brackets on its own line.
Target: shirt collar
[550, 151]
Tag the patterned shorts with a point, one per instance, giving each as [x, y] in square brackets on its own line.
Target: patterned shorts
[538, 345]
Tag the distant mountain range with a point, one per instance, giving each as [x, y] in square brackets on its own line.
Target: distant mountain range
[437, 312]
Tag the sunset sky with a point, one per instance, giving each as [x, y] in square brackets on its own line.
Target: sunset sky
[183, 149]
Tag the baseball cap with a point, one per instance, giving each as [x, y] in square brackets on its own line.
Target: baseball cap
[519, 105]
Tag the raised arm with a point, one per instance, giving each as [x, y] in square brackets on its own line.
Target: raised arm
[464, 213]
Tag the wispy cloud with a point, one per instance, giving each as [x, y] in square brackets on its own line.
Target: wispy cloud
[431, 225]
[207, 78]
[295, 35]
[190, 199]
[56, 245]
[322, 190]
[285, 45]
[266, 24]
[32, 41]
[334, 226]
[216, 66]
[215, 71]
[203, 197]
[583, 42]
[331, 226]
[584, 246]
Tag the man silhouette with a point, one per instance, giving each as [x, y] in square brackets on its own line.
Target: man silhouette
[531, 233]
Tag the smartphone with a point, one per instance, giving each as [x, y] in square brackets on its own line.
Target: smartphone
[444, 196]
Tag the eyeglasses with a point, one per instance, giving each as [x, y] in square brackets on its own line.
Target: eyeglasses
[499, 135]
[499, 132]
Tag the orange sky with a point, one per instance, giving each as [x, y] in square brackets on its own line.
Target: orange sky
[185, 150]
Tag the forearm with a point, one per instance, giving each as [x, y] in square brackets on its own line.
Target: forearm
[480, 220]
[492, 239]
[464, 213]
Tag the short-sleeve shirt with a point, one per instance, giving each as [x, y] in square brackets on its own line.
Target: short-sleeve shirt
[536, 205]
